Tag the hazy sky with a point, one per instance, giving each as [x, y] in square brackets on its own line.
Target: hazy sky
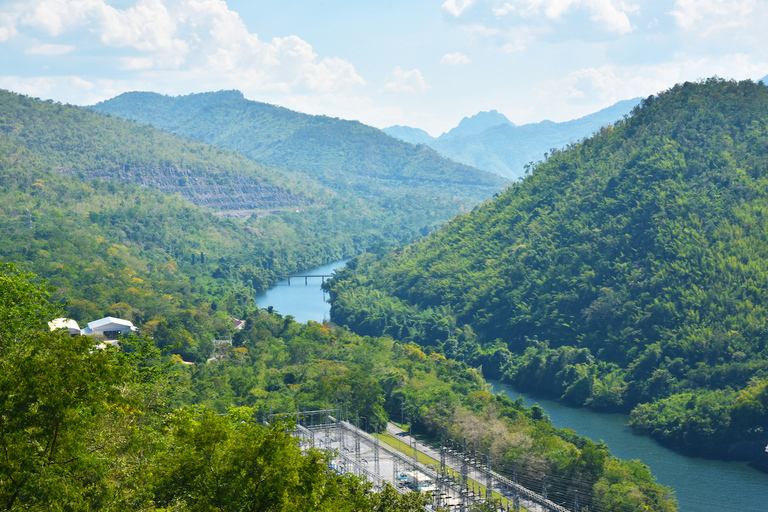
[415, 62]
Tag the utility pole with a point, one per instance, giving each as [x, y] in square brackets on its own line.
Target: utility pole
[464, 469]
[376, 454]
[488, 477]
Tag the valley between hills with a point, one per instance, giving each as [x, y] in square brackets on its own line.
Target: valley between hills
[624, 271]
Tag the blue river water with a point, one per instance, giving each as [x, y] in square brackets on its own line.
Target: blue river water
[302, 301]
[700, 485]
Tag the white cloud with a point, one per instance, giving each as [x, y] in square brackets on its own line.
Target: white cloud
[457, 7]
[7, 26]
[50, 49]
[455, 59]
[57, 16]
[609, 16]
[613, 18]
[709, 17]
[197, 38]
[518, 20]
[48, 87]
[148, 26]
[72, 88]
[598, 87]
[406, 81]
[503, 10]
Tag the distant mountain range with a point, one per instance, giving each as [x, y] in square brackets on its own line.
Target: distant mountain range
[340, 154]
[370, 186]
[490, 141]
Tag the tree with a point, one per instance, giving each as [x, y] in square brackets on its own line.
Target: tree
[232, 463]
[53, 389]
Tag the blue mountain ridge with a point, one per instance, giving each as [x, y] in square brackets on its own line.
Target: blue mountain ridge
[491, 142]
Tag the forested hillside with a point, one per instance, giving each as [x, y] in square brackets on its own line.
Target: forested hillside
[352, 159]
[627, 272]
[86, 429]
[113, 248]
[134, 428]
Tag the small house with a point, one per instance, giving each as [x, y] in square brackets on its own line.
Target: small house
[110, 328]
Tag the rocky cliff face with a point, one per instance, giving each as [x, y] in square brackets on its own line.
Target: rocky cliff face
[216, 192]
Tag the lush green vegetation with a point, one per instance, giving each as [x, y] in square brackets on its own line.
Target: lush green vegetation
[110, 248]
[278, 365]
[132, 429]
[626, 272]
[382, 187]
[113, 247]
[85, 429]
[346, 154]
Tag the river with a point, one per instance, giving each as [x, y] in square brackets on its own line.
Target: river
[302, 301]
[701, 485]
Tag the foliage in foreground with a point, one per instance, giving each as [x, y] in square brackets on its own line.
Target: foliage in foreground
[627, 272]
[90, 429]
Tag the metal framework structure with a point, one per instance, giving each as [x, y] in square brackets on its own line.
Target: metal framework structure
[450, 488]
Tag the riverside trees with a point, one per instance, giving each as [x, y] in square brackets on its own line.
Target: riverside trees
[626, 272]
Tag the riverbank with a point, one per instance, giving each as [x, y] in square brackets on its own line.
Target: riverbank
[701, 485]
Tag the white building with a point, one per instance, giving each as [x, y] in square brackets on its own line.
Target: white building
[110, 327]
[65, 323]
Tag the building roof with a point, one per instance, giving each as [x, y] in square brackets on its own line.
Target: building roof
[63, 323]
[97, 324]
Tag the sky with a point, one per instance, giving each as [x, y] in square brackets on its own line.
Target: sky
[420, 63]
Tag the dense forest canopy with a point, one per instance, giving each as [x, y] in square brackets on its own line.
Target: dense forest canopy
[176, 270]
[78, 142]
[327, 148]
[89, 429]
[626, 272]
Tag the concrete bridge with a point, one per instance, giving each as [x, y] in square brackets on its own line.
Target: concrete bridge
[305, 276]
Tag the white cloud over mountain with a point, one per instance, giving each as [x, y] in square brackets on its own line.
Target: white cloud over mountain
[406, 63]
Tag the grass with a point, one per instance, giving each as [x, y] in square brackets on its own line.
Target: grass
[429, 461]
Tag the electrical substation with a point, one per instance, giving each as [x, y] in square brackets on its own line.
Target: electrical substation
[456, 480]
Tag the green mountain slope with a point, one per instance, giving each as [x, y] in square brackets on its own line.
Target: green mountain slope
[118, 246]
[627, 272]
[352, 159]
[76, 141]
